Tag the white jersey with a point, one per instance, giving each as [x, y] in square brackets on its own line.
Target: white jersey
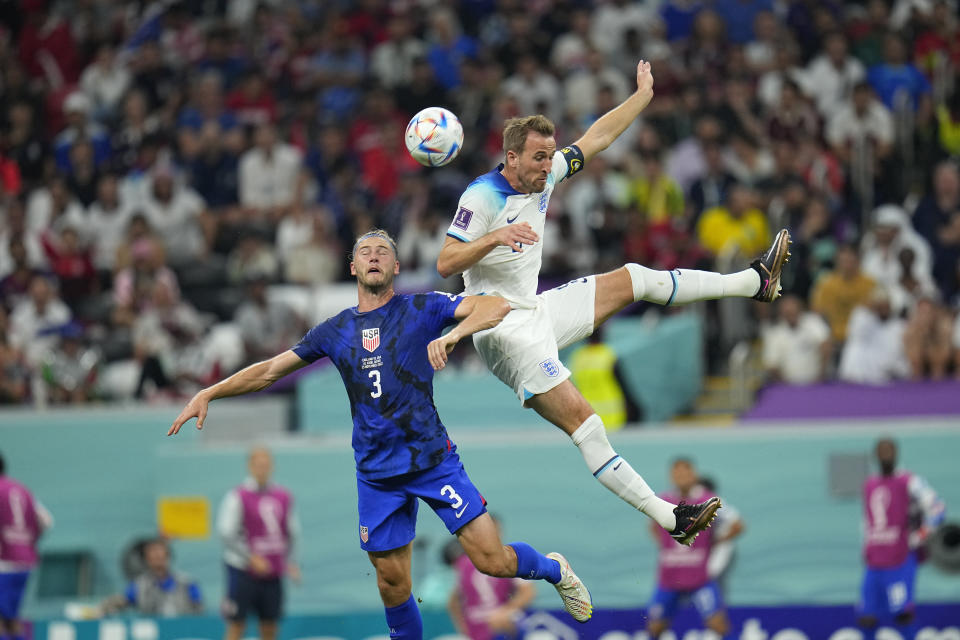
[489, 203]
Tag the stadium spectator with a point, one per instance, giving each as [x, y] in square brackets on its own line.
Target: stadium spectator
[598, 374]
[25, 143]
[317, 260]
[797, 349]
[70, 368]
[105, 81]
[159, 591]
[52, 206]
[71, 262]
[15, 284]
[267, 326]
[570, 48]
[898, 83]
[137, 273]
[337, 69]
[927, 340]
[737, 227]
[831, 77]
[882, 246]
[837, 293]
[711, 189]
[533, 89]
[35, 320]
[580, 88]
[14, 373]
[391, 61]
[483, 607]
[206, 106]
[252, 102]
[761, 52]
[793, 119]
[23, 519]
[178, 216]
[167, 336]
[269, 176]
[80, 126]
[259, 530]
[252, 257]
[135, 127]
[107, 218]
[874, 349]
[82, 175]
[861, 124]
[937, 218]
[655, 194]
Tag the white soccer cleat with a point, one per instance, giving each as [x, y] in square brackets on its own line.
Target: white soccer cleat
[576, 598]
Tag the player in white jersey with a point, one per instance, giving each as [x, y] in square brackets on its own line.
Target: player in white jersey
[494, 240]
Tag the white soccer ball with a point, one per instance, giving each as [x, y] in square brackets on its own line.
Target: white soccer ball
[434, 136]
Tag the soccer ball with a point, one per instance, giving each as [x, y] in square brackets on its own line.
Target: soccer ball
[434, 137]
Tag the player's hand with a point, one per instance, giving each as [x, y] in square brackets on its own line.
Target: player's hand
[293, 571]
[644, 77]
[259, 565]
[196, 408]
[516, 235]
[438, 349]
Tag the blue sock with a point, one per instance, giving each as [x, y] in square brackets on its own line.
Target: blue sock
[404, 621]
[532, 565]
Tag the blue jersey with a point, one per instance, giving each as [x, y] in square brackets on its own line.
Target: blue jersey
[382, 358]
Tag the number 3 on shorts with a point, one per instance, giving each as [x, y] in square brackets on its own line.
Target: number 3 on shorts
[448, 492]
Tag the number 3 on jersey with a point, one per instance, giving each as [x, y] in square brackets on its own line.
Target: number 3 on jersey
[377, 391]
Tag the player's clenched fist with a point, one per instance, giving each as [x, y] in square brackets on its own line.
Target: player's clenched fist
[516, 235]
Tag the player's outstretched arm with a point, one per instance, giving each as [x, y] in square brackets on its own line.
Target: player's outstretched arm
[610, 125]
[253, 378]
[458, 256]
[475, 313]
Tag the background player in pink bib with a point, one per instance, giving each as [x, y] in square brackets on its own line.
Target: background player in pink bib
[259, 529]
[22, 521]
[900, 510]
[682, 571]
[486, 608]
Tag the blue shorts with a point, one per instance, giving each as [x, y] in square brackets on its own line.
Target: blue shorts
[12, 586]
[888, 592]
[665, 602]
[388, 506]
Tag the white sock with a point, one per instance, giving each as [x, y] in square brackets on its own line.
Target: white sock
[681, 286]
[617, 475]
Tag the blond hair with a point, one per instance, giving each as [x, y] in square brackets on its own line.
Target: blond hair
[375, 233]
[515, 131]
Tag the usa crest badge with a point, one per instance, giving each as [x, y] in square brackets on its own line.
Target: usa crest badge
[550, 367]
[364, 534]
[371, 339]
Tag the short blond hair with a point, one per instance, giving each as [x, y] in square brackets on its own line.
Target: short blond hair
[374, 233]
[515, 131]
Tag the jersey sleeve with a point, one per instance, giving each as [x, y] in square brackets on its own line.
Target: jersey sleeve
[312, 346]
[475, 212]
[566, 162]
[442, 308]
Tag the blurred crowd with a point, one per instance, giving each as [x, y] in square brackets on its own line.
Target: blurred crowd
[174, 175]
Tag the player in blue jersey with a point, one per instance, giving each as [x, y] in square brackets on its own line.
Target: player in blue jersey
[386, 349]
[495, 241]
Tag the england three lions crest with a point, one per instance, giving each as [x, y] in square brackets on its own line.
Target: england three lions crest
[371, 339]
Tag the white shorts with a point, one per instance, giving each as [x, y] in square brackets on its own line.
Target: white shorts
[522, 350]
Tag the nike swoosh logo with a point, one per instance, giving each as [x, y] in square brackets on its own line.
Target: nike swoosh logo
[460, 513]
[513, 219]
[618, 466]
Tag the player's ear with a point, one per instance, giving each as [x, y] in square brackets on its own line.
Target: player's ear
[513, 159]
[353, 268]
[396, 267]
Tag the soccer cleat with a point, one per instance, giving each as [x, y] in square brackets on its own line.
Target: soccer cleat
[576, 598]
[694, 518]
[769, 266]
